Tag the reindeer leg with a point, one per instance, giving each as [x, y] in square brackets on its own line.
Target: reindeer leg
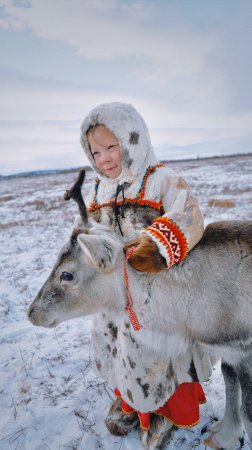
[159, 434]
[245, 378]
[119, 423]
[226, 432]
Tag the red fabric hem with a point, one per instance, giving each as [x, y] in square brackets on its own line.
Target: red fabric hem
[182, 408]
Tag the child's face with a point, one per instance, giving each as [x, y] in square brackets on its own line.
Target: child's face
[105, 151]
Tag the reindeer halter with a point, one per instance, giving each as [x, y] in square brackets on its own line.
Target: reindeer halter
[129, 305]
[76, 195]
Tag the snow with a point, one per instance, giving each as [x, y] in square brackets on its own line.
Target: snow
[50, 397]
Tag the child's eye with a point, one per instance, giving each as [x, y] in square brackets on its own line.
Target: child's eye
[112, 147]
[95, 154]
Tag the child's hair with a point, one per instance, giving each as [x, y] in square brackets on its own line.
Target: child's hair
[91, 129]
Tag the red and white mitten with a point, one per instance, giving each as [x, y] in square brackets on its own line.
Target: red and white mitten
[169, 238]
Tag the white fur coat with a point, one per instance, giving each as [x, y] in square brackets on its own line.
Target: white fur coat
[146, 380]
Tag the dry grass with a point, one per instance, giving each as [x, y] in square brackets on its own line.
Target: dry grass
[4, 226]
[228, 190]
[58, 183]
[6, 198]
[221, 203]
[60, 203]
[39, 204]
[46, 205]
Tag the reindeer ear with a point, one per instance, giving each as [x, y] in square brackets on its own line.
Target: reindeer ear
[101, 251]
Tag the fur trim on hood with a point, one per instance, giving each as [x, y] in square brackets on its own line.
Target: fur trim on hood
[131, 131]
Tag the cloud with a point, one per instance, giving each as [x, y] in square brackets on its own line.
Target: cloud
[110, 29]
[233, 57]
[28, 98]
[196, 55]
[184, 65]
[25, 97]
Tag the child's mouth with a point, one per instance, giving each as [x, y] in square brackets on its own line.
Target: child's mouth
[111, 168]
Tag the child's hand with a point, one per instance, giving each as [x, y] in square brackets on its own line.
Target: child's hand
[146, 257]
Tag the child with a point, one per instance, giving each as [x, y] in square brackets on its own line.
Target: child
[142, 200]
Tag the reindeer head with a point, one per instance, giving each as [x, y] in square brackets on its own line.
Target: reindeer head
[84, 279]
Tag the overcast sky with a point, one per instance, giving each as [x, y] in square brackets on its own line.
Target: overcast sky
[186, 65]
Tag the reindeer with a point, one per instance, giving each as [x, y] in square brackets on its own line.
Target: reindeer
[208, 301]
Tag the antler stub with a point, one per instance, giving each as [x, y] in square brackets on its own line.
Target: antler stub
[76, 195]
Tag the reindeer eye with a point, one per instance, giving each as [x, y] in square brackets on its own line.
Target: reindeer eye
[67, 276]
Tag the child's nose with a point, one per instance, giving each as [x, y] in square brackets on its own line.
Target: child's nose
[106, 156]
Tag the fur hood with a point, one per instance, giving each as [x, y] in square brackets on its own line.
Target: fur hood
[131, 131]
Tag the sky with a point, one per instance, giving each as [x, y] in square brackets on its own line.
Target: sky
[186, 66]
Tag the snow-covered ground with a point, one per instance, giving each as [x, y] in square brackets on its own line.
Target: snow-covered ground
[50, 398]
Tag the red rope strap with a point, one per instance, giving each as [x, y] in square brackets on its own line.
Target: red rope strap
[129, 305]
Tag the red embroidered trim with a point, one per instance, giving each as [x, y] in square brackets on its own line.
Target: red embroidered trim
[129, 306]
[171, 237]
[179, 234]
[149, 170]
[160, 237]
[128, 201]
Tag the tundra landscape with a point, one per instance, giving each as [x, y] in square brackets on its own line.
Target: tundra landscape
[50, 398]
